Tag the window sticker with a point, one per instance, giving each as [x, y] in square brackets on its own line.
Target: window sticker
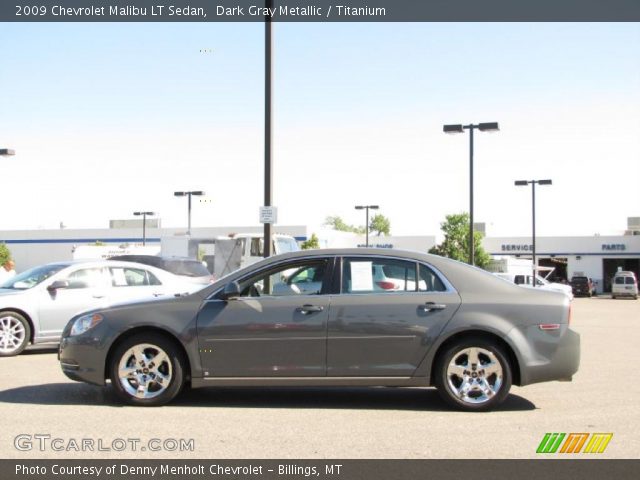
[119, 280]
[361, 276]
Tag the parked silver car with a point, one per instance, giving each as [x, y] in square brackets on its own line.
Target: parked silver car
[36, 304]
[318, 318]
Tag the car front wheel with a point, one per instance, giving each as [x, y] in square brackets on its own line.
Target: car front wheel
[14, 334]
[473, 375]
[147, 370]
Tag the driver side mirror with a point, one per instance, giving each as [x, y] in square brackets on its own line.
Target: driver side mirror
[231, 291]
[57, 285]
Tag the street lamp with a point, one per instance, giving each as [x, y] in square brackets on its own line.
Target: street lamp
[366, 228]
[196, 193]
[483, 127]
[6, 152]
[144, 224]
[524, 183]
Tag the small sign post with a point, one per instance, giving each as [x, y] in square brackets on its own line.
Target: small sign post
[268, 214]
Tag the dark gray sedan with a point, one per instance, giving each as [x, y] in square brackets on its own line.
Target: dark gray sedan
[353, 317]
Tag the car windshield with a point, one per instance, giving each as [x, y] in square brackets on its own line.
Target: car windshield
[31, 278]
[286, 245]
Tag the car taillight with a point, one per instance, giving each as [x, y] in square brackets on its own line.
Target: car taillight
[386, 285]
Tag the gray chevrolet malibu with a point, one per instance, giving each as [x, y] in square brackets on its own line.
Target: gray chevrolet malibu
[348, 317]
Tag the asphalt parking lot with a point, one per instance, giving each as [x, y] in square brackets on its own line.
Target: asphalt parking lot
[36, 398]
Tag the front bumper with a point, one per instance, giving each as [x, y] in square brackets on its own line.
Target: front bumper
[83, 359]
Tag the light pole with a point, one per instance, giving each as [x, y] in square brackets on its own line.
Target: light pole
[366, 227]
[7, 152]
[524, 183]
[268, 117]
[483, 127]
[196, 193]
[144, 224]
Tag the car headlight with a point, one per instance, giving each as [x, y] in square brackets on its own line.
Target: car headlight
[85, 322]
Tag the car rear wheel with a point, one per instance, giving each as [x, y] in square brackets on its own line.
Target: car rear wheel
[15, 332]
[473, 375]
[147, 370]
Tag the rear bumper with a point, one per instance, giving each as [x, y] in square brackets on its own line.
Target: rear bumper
[625, 294]
[551, 355]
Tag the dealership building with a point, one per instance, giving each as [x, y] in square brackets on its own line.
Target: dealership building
[598, 257]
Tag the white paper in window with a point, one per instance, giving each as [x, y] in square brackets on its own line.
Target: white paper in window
[361, 277]
[119, 280]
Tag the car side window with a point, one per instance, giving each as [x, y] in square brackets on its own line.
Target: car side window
[132, 277]
[429, 281]
[87, 278]
[378, 275]
[306, 278]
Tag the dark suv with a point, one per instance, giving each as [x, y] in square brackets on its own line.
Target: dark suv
[181, 266]
[581, 286]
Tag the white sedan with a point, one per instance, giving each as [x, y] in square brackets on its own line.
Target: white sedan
[36, 305]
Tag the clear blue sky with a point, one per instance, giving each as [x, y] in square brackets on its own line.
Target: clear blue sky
[111, 118]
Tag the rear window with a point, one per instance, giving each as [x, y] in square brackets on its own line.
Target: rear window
[187, 268]
[619, 280]
[579, 280]
[629, 280]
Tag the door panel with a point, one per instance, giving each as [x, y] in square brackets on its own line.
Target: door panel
[384, 321]
[88, 289]
[384, 334]
[276, 327]
[270, 336]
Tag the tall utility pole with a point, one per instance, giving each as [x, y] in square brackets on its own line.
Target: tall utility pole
[144, 224]
[268, 91]
[524, 183]
[483, 127]
[197, 193]
[366, 227]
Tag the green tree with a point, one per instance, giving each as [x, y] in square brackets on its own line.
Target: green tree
[311, 243]
[380, 225]
[456, 241]
[5, 254]
[337, 223]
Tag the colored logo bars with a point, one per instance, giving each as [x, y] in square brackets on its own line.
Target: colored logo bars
[573, 442]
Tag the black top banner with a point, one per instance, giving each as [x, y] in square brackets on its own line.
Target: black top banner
[320, 11]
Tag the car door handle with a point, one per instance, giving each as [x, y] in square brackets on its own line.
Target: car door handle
[305, 309]
[429, 306]
[99, 296]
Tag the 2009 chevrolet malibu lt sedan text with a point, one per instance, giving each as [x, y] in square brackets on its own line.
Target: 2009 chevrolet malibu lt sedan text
[352, 317]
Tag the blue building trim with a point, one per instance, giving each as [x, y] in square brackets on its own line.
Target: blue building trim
[94, 239]
[79, 240]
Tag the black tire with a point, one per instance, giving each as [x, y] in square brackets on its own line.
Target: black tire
[14, 318]
[455, 350]
[174, 365]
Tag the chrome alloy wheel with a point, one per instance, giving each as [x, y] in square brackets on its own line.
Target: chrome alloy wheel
[474, 375]
[145, 371]
[12, 334]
